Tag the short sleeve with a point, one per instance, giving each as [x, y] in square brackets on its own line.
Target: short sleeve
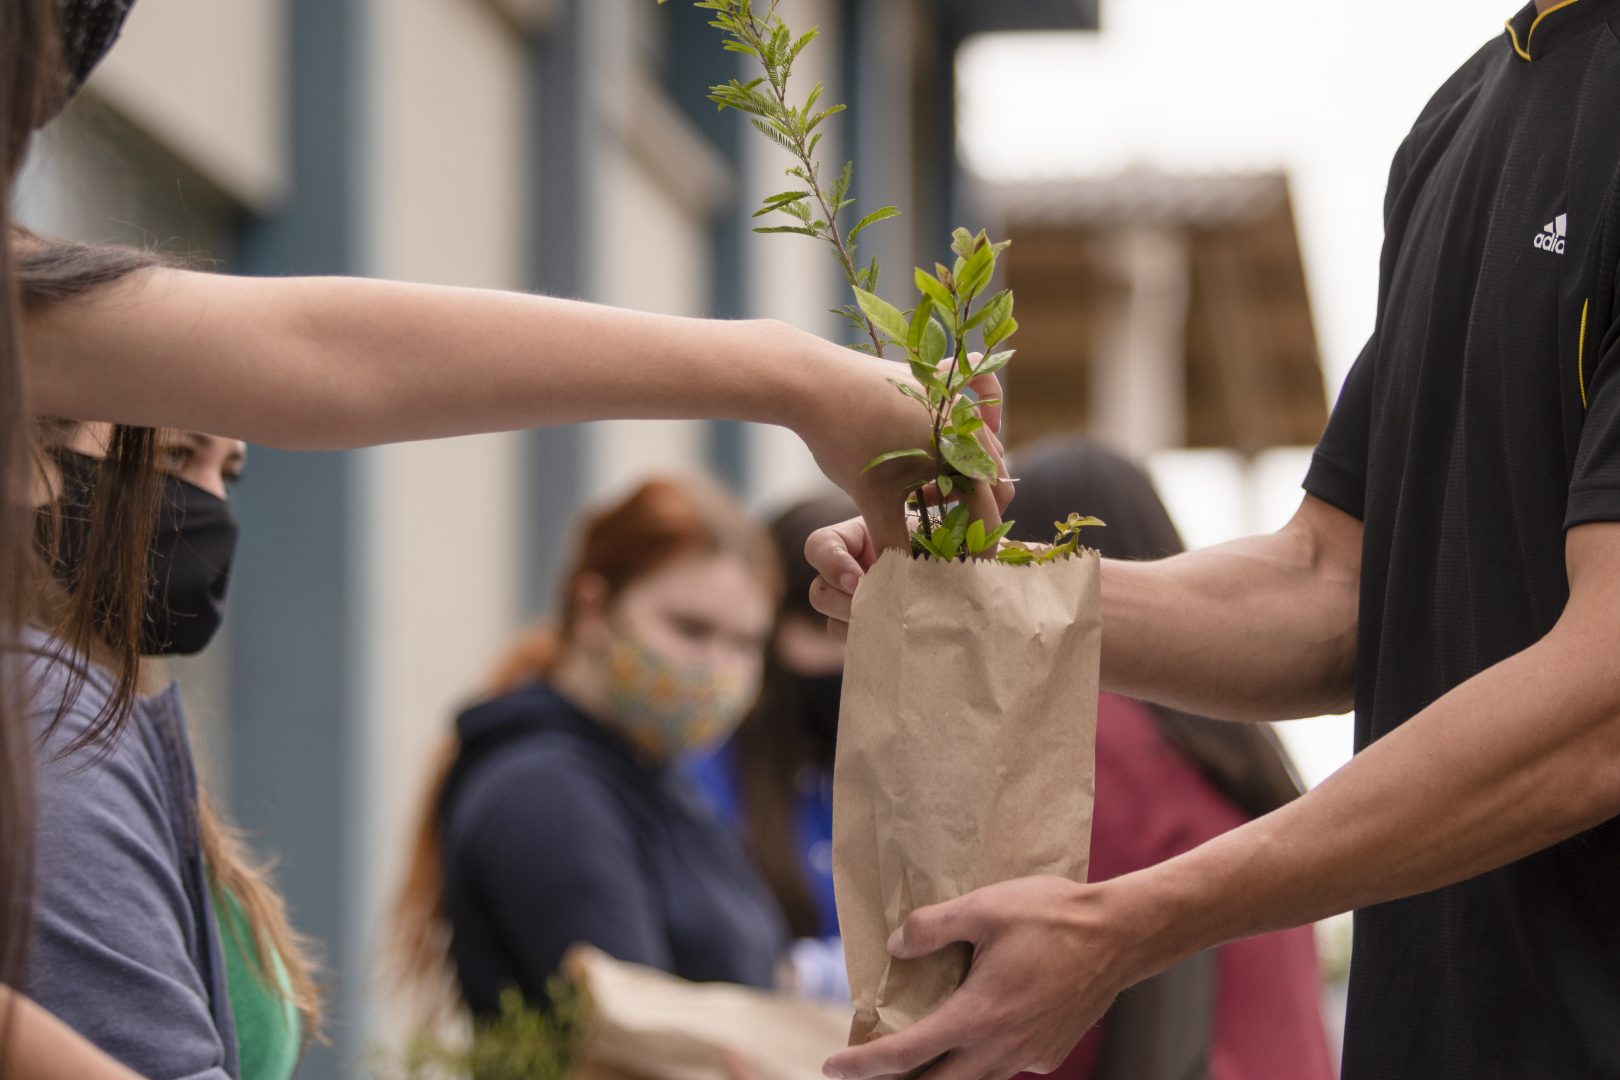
[1338, 472]
[112, 951]
[1594, 486]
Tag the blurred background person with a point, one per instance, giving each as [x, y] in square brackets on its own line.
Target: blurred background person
[1167, 781]
[157, 935]
[559, 816]
[771, 782]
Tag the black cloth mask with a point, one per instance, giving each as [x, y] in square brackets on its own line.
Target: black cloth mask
[89, 28]
[190, 564]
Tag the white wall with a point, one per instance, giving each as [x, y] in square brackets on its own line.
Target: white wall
[652, 255]
[441, 524]
[658, 183]
[206, 79]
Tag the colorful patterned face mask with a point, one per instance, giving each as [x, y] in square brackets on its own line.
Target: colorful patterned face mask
[667, 708]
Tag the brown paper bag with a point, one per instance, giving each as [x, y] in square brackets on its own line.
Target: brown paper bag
[966, 742]
[648, 1024]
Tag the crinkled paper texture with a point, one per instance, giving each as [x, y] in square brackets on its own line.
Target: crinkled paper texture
[646, 1023]
[966, 744]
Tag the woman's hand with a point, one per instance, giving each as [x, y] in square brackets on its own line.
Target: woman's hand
[855, 414]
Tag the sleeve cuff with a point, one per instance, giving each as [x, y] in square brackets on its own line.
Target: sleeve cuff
[1336, 484]
[1588, 505]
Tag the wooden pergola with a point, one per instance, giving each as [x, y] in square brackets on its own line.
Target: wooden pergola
[1161, 311]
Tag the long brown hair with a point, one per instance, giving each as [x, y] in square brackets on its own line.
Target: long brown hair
[283, 959]
[1245, 762]
[33, 86]
[663, 520]
[26, 55]
[280, 957]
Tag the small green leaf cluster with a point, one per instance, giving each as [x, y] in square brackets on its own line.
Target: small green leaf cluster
[1066, 543]
[522, 1043]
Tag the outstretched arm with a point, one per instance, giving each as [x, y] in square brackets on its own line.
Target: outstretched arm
[38, 1046]
[312, 363]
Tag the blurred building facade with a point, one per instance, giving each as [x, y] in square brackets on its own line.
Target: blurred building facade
[562, 146]
[1161, 311]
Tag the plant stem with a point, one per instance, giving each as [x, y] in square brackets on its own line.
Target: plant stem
[922, 510]
[801, 150]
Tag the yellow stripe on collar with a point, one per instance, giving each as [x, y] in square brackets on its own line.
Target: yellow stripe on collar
[1513, 35]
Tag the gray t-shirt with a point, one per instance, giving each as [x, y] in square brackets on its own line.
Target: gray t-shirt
[125, 950]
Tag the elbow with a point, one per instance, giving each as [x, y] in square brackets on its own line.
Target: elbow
[1330, 543]
[1600, 794]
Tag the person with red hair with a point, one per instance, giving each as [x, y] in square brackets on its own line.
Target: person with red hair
[559, 815]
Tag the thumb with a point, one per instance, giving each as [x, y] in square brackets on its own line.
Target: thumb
[930, 929]
[834, 553]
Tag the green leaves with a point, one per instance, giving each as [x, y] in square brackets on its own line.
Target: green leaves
[932, 288]
[934, 343]
[920, 317]
[893, 455]
[957, 537]
[995, 335]
[1076, 523]
[1066, 543]
[884, 315]
[934, 331]
[883, 214]
[979, 542]
[993, 363]
[781, 200]
[965, 454]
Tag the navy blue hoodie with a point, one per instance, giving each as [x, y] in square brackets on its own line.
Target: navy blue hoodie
[554, 832]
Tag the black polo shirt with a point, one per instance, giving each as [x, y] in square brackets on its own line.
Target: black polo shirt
[1480, 422]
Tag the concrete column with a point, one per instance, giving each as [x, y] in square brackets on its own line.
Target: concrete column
[1139, 376]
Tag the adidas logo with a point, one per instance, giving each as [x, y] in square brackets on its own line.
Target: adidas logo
[1551, 238]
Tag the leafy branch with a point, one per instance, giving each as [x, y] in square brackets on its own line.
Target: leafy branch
[934, 334]
[814, 206]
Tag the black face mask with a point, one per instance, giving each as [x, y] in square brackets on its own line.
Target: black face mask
[191, 556]
[821, 695]
[89, 28]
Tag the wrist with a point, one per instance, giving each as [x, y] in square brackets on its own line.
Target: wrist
[1152, 919]
[811, 384]
[774, 387]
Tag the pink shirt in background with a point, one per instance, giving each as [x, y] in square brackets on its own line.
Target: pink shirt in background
[1152, 804]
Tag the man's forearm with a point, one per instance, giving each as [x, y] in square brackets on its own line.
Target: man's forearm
[1262, 628]
[1522, 756]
